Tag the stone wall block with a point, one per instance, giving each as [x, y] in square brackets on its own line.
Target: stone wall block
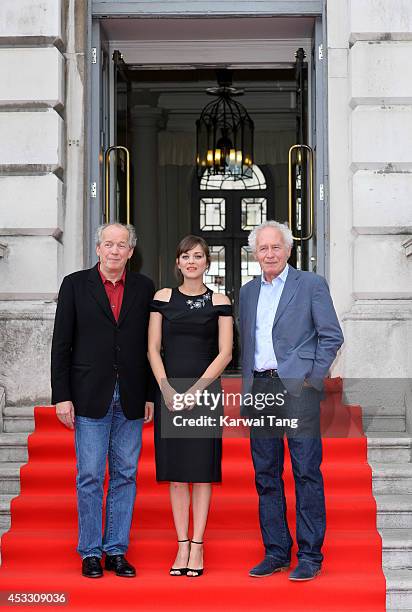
[40, 79]
[30, 202]
[382, 202]
[26, 331]
[377, 349]
[22, 18]
[30, 266]
[381, 137]
[31, 138]
[381, 268]
[380, 19]
[381, 73]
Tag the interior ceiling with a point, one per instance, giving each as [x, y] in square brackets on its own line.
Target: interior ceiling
[209, 29]
[208, 76]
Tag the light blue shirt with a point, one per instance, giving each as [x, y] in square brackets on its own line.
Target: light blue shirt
[269, 297]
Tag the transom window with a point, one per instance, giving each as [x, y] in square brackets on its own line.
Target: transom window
[211, 181]
[225, 210]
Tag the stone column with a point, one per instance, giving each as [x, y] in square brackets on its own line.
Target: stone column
[146, 121]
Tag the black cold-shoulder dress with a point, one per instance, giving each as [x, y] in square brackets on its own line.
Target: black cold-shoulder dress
[189, 345]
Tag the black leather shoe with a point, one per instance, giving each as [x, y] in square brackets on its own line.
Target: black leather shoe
[91, 567]
[118, 564]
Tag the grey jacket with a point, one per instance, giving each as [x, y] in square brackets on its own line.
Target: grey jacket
[306, 333]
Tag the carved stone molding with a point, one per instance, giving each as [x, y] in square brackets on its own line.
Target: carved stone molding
[3, 250]
[407, 245]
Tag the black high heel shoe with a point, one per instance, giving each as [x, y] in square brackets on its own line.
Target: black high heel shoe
[179, 571]
[195, 572]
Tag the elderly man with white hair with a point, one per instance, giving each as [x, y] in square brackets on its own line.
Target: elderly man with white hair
[103, 389]
[290, 335]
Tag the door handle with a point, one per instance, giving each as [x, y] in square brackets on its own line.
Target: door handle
[309, 156]
[107, 181]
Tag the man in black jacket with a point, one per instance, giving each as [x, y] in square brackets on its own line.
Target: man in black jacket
[103, 388]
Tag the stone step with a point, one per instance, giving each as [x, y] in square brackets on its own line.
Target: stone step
[391, 478]
[387, 410]
[394, 511]
[393, 446]
[5, 511]
[10, 477]
[13, 447]
[396, 548]
[398, 590]
[18, 419]
[383, 422]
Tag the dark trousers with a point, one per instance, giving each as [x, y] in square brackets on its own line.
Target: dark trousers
[305, 447]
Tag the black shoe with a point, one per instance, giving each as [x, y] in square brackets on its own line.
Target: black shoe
[91, 567]
[118, 564]
[195, 573]
[179, 571]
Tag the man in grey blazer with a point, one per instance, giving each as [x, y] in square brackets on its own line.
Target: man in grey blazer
[290, 335]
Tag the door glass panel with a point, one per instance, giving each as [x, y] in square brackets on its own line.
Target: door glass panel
[212, 214]
[215, 277]
[253, 211]
[222, 181]
[249, 268]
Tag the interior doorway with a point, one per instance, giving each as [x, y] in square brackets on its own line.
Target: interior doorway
[148, 89]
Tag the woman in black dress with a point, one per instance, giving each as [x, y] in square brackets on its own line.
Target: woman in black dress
[190, 344]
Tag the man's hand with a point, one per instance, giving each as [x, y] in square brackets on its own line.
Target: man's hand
[148, 412]
[65, 413]
[307, 384]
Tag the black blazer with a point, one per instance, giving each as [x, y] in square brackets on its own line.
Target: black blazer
[89, 349]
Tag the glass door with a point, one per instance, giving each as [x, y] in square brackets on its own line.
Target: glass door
[110, 169]
[119, 160]
[223, 213]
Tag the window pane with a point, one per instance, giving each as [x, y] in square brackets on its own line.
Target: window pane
[249, 268]
[212, 214]
[222, 181]
[215, 278]
[253, 212]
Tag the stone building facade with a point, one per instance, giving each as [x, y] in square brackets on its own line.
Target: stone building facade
[46, 133]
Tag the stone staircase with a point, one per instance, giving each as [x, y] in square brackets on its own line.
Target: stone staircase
[390, 457]
[16, 424]
[389, 454]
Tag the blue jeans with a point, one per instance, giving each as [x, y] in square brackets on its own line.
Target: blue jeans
[306, 457]
[120, 439]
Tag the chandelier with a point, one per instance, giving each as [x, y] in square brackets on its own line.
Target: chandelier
[224, 133]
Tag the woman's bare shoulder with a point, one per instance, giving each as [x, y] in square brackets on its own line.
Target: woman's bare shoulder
[220, 299]
[163, 295]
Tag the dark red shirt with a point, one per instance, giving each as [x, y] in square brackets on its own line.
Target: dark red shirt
[114, 292]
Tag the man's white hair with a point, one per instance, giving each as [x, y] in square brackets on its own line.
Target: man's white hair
[282, 227]
[130, 228]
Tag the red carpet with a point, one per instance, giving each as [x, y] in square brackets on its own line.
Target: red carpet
[39, 553]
